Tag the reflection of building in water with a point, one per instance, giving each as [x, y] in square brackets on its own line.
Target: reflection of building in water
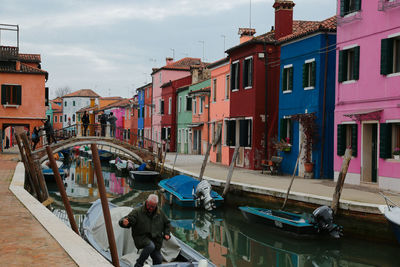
[75, 185]
[116, 185]
[84, 172]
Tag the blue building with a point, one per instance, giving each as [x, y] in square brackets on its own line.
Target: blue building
[307, 85]
[140, 93]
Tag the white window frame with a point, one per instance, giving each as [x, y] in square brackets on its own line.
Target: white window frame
[237, 76]
[214, 90]
[179, 103]
[250, 68]
[194, 105]
[169, 106]
[287, 91]
[201, 105]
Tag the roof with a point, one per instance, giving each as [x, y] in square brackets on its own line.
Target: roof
[122, 103]
[183, 64]
[29, 58]
[218, 62]
[304, 28]
[82, 93]
[202, 91]
[111, 98]
[55, 107]
[10, 68]
[143, 87]
[87, 108]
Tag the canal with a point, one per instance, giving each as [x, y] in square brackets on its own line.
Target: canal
[223, 236]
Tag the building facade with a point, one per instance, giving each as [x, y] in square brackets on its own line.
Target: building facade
[75, 101]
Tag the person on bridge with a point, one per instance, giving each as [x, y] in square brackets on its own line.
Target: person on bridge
[103, 123]
[149, 226]
[85, 122]
[35, 137]
[49, 131]
[112, 120]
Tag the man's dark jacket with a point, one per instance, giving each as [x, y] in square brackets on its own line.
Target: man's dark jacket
[146, 227]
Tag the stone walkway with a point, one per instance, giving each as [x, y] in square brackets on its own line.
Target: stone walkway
[23, 240]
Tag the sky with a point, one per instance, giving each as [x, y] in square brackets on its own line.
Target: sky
[111, 46]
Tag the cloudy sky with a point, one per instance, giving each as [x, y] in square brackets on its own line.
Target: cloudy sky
[111, 46]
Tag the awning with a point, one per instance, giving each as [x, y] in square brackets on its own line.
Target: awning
[362, 115]
[194, 125]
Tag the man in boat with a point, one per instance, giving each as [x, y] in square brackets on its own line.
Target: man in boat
[149, 227]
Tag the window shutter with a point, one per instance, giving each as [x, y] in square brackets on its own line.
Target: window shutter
[244, 74]
[341, 139]
[19, 94]
[385, 141]
[46, 96]
[313, 73]
[305, 76]
[342, 8]
[341, 62]
[291, 78]
[283, 129]
[243, 133]
[354, 136]
[232, 77]
[3, 94]
[251, 72]
[386, 56]
[232, 133]
[358, 5]
[356, 65]
[291, 131]
[284, 80]
[237, 83]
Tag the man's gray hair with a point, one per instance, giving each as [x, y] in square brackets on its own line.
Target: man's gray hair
[153, 198]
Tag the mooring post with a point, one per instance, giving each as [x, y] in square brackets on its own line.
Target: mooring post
[165, 156]
[340, 181]
[104, 204]
[61, 188]
[42, 183]
[25, 162]
[229, 177]
[205, 160]
[31, 167]
[176, 156]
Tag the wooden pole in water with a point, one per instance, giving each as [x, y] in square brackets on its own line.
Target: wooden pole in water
[164, 157]
[104, 204]
[61, 188]
[340, 181]
[203, 166]
[176, 156]
[228, 179]
[25, 162]
[291, 181]
[42, 183]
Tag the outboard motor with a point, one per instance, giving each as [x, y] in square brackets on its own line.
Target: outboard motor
[203, 194]
[323, 218]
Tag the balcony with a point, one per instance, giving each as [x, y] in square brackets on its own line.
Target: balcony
[355, 16]
[8, 53]
[387, 4]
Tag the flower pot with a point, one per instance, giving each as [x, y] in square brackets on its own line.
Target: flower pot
[396, 157]
[287, 149]
[308, 166]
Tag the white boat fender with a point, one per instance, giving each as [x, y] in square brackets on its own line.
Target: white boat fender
[203, 263]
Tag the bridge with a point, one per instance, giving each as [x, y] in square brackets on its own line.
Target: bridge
[113, 145]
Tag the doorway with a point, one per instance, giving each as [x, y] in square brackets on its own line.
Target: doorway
[369, 151]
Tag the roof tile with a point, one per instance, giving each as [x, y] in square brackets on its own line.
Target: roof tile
[82, 93]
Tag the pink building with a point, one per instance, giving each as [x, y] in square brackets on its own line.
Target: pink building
[367, 109]
[219, 109]
[170, 72]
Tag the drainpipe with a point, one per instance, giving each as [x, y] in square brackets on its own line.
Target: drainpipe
[266, 102]
[324, 107]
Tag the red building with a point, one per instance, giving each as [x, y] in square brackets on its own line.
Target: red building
[134, 122]
[254, 89]
[168, 109]
[148, 98]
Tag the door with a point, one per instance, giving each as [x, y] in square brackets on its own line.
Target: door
[374, 148]
[219, 144]
[369, 153]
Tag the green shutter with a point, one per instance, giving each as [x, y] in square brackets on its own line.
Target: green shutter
[358, 5]
[313, 73]
[3, 94]
[354, 138]
[385, 141]
[341, 139]
[284, 80]
[305, 76]
[231, 77]
[244, 81]
[283, 129]
[19, 94]
[291, 79]
[251, 72]
[386, 56]
[291, 131]
[342, 8]
[356, 70]
[341, 62]
[243, 133]
[46, 96]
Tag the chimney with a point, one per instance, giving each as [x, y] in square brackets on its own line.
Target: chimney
[246, 34]
[283, 18]
[169, 61]
[17, 65]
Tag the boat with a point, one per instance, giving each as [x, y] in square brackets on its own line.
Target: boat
[105, 155]
[391, 211]
[144, 176]
[187, 191]
[174, 251]
[320, 221]
[48, 171]
[118, 163]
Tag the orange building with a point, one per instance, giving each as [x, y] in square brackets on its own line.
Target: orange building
[23, 93]
[56, 106]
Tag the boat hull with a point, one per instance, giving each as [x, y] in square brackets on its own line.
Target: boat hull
[144, 176]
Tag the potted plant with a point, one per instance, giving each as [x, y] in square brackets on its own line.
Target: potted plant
[396, 153]
[310, 131]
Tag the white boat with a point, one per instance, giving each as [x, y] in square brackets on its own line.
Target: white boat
[174, 251]
[120, 164]
[391, 211]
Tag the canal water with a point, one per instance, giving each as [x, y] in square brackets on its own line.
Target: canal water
[223, 236]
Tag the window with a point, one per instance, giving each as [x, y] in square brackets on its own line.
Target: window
[287, 78]
[347, 137]
[55, 119]
[248, 72]
[230, 132]
[201, 107]
[145, 112]
[169, 105]
[349, 61]
[11, 94]
[349, 6]
[188, 103]
[179, 136]
[61, 118]
[65, 103]
[179, 104]
[73, 103]
[390, 55]
[73, 117]
[235, 76]
[214, 92]
[286, 130]
[161, 103]
[194, 105]
[389, 139]
[159, 76]
[309, 74]
[245, 132]
[46, 96]
[227, 86]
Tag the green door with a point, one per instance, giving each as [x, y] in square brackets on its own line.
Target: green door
[374, 163]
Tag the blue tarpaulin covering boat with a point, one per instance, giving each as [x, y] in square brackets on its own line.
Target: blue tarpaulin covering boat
[181, 190]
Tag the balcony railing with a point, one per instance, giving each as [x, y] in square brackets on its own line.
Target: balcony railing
[357, 15]
[387, 4]
[8, 52]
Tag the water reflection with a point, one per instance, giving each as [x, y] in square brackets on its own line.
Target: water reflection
[223, 235]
